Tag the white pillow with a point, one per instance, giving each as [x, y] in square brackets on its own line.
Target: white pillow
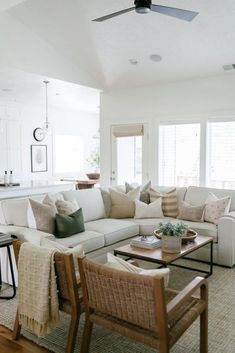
[122, 265]
[152, 210]
[66, 207]
[216, 208]
[75, 251]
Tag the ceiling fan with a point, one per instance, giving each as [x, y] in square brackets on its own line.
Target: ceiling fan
[145, 6]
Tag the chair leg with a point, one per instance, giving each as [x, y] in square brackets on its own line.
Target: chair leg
[73, 329]
[204, 331]
[86, 337]
[17, 328]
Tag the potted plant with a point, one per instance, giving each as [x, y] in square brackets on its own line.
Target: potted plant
[171, 236]
[94, 163]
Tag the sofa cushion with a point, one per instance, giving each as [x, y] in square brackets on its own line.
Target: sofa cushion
[90, 240]
[143, 210]
[66, 207]
[216, 208]
[147, 226]
[44, 214]
[169, 201]
[123, 205]
[114, 230]
[67, 225]
[90, 200]
[196, 195]
[191, 213]
[181, 191]
[15, 211]
[144, 191]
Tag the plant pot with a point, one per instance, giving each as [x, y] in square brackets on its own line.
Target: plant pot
[93, 176]
[171, 244]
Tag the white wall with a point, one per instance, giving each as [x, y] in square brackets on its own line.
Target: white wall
[30, 116]
[197, 99]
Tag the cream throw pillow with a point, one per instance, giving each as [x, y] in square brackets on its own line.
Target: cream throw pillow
[122, 265]
[76, 251]
[66, 207]
[169, 201]
[152, 210]
[191, 213]
[216, 208]
[123, 205]
[44, 215]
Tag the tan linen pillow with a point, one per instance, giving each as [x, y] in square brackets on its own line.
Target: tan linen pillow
[169, 201]
[216, 208]
[66, 207]
[44, 214]
[191, 213]
[123, 205]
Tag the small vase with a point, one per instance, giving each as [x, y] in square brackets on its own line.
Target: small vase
[171, 244]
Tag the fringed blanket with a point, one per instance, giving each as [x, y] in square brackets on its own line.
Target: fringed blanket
[38, 306]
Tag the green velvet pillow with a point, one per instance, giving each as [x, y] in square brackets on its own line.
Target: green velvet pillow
[69, 225]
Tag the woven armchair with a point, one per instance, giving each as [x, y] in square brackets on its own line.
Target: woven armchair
[68, 294]
[140, 308]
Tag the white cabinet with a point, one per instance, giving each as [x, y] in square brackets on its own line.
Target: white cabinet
[10, 148]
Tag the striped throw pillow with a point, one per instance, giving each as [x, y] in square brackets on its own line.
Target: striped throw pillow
[169, 202]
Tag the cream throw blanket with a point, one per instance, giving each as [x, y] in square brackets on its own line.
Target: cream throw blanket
[38, 305]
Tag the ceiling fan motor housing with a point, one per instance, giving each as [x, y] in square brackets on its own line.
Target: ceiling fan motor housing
[142, 6]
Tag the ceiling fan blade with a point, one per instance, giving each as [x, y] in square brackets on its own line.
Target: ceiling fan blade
[175, 12]
[107, 17]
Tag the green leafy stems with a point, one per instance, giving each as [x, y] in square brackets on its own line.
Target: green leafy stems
[170, 229]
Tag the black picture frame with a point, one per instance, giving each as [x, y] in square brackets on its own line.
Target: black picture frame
[39, 158]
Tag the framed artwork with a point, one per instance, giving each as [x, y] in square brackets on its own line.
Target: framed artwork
[38, 158]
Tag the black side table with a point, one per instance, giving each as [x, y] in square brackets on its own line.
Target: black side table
[7, 243]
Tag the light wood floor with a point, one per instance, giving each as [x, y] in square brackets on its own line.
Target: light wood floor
[22, 345]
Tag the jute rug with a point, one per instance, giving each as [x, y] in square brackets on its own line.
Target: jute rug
[221, 321]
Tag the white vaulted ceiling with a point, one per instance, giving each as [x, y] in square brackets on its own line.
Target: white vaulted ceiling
[63, 35]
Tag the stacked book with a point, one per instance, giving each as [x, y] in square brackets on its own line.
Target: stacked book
[149, 242]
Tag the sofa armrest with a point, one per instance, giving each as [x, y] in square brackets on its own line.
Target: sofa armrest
[26, 234]
[226, 240]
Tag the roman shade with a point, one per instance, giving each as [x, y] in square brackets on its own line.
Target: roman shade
[128, 130]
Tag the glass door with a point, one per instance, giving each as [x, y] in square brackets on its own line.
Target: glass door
[127, 158]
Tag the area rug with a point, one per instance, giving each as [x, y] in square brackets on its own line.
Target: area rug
[221, 321]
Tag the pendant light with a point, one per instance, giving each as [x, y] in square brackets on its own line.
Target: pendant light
[47, 125]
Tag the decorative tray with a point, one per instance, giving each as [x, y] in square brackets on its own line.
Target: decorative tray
[190, 236]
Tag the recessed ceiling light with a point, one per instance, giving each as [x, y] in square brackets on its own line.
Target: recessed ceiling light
[155, 57]
[7, 90]
[133, 61]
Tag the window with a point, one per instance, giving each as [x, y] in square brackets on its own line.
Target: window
[69, 154]
[221, 154]
[179, 154]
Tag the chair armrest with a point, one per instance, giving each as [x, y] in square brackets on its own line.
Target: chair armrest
[186, 293]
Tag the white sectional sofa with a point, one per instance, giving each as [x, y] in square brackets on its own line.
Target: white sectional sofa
[103, 234]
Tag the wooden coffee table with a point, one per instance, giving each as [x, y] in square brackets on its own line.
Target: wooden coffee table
[165, 259]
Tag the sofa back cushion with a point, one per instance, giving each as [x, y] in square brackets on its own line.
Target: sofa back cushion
[15, 211]
[181, 191]
[90, 200]
[197, 195]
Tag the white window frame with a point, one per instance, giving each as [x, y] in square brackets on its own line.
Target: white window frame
[202, 163]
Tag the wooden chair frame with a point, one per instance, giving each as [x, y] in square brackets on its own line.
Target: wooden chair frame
[69, 301]
[165, 311]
